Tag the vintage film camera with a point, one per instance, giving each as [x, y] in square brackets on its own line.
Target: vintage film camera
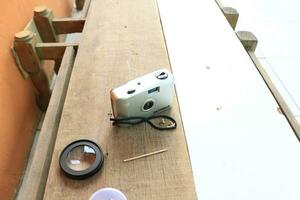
[144, 96]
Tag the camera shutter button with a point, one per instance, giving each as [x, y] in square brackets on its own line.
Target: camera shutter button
[162, 75]
[131, 91]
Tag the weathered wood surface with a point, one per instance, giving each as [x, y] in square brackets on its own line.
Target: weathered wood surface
[34, 181]
[36, 175]
[68, 25]
[43, 20]
[53, 51]
[24, 46]
[122, 40]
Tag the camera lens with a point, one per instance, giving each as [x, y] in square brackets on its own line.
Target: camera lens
[148, 105]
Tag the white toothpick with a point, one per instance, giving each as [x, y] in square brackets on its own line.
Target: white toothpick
[145, 155]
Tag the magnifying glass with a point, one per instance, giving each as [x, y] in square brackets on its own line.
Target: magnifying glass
[81, 159]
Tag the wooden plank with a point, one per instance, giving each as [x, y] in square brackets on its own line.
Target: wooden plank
[68, 25]
[240, 146]
[121, 40]
[53, 51]
[33, 183]
[41, 83]
[35, 176]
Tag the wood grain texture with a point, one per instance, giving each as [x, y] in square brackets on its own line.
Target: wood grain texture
[68, 25]
[122, 40]
[26, 52]
[35, 176]
[24, 46]
[53, 50]
[34, 181]
[19, 112]
[43, 20]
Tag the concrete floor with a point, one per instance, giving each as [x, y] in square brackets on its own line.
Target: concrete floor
[276, 24]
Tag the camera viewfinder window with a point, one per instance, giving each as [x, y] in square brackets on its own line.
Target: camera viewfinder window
[153, 90]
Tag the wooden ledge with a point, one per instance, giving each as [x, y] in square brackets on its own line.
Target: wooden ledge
[68, 25]
[53, 51]
[35, 176]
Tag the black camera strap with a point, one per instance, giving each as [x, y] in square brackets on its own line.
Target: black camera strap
[171, 124]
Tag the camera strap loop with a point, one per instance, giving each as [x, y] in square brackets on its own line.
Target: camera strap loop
[162, 125]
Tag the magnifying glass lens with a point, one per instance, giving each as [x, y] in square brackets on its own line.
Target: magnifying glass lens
[81, 158]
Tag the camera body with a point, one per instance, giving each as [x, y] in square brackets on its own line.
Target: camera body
[144, 96]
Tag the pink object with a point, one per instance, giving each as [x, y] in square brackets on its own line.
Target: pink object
[108, 194]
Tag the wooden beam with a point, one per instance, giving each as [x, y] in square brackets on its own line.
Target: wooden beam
[57, 65]
[79, 4]
[36, 173]
[35, 178]
[43, 20]
[41, 83]
[248, 40]
[24, 45]
[231, 15]
[53, 51]
[68, 25]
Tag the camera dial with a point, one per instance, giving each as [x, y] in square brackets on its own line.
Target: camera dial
[131, 91]
[161, 75]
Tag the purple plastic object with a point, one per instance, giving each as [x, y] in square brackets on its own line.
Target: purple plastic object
[108, 194]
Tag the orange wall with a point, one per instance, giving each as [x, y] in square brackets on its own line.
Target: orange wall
[18, 111]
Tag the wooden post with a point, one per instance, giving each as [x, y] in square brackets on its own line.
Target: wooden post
[43, 17]
[248, 40]
[41, 83]
[24, 45]
[43, 20]
[79, 4]
[231, 15]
